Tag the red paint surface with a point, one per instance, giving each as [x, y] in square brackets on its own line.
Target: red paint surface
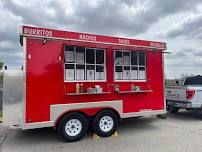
[99, 38]
[45, 81]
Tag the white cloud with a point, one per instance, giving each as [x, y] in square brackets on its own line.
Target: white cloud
[177, 22]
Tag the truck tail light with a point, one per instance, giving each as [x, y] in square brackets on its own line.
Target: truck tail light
[190, 94]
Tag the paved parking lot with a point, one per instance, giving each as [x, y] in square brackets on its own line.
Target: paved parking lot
[179, 132]
[1, 97]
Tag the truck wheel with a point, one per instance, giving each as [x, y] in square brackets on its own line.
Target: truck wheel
[73, 126]
[105, 123]
[172, 109]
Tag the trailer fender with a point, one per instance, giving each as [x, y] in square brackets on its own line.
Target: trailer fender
[88, 112]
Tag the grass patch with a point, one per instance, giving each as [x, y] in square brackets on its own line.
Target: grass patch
[1, 77]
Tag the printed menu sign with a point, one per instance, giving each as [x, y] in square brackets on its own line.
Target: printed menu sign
[126, 74]
[118, 75]
[142, 75]
[134, 74]
[69, 56]
[80, 74]
[69, 74]
[100, 75]
[90, 74]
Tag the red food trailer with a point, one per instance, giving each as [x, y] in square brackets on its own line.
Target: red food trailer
[72, 80]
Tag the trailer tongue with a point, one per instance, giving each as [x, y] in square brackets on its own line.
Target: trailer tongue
[72, 79]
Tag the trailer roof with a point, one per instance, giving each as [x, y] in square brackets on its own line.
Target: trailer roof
[37, 32]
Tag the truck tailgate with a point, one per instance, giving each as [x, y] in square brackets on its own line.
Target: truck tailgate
[176, 93]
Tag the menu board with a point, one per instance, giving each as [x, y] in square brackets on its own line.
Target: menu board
[69, 74]
[79, 57]
[99, 75]
[134, 74]
[90, 74]
[142, 75]
[69, 56]
[118, 75]
[126, 74]
[80, 74]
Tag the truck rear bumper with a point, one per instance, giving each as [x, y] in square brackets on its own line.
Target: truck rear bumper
[184, 104]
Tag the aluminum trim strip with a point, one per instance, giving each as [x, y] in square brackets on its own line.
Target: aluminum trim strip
[126, 115]
[23, 117]
[38, 125]
[144, 113]
[57, 110]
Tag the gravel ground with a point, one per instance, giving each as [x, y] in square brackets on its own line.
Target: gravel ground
[180, 132]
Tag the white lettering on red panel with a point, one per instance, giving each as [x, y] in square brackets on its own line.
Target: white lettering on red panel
[157, 45]
[38, 32]
[124, 41]
[87, 37]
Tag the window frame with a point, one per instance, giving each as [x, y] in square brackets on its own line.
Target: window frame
[130, 65]
[85, 65]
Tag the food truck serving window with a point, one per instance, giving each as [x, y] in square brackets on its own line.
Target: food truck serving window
[129, 65]
[84, 64]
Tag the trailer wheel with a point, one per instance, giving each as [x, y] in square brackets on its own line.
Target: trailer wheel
[172, 109]
[73, 126]
[105, 123]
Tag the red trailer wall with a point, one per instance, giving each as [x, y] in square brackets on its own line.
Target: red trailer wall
[45, 81]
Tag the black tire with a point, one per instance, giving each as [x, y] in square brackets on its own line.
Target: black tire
[69, 120]
[175, 110]
[172, 109]
[109, 115]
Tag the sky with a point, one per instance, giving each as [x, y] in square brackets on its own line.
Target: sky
[176, 22]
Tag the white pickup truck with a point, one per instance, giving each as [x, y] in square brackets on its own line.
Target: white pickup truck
[187, 96]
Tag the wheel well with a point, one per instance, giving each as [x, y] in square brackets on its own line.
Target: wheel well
[87, 116]
[111, 109]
